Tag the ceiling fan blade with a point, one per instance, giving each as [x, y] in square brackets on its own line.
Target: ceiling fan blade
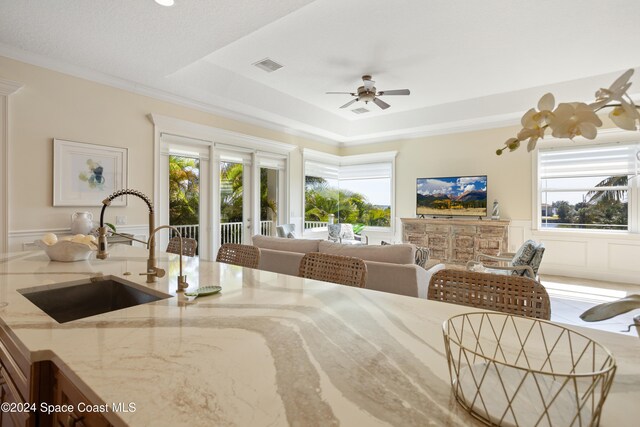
[340, 93]
[350, 102]
[380, 103]
[394, 92]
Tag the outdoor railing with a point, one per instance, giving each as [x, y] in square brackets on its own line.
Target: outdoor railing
[230, 232]
[191, 231]
[267, 228]
[314, 224]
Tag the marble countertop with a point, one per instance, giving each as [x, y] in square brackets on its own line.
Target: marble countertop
[268, 350]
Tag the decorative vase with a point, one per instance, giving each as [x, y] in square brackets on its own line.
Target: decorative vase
[81, 222]
[495, 212]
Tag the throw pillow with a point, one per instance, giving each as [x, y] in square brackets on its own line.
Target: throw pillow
[334, 232]
[422, 256]
[291, 235]
[524, 256]
[346, 232]
[537, 258]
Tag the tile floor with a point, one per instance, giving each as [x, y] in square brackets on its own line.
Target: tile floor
[572, 296]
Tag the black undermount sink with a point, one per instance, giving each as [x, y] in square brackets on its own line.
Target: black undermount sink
[76, 300]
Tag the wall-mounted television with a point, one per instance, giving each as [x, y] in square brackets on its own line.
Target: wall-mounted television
[452, 196]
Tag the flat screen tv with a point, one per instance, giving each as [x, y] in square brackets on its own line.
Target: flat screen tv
[452, 196]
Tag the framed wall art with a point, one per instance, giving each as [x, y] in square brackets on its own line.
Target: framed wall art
[85, 174]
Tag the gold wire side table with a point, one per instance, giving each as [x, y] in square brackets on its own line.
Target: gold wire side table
[509, 370]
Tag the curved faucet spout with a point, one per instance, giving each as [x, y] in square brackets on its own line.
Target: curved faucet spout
[182, 279]
[103, 252]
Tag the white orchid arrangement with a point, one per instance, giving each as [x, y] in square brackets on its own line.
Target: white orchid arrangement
[572, 119]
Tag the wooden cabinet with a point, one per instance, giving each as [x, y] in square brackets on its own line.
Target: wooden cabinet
[26, 386]
[456, 241]
[74, 404]
[14, 388]
[18, 415]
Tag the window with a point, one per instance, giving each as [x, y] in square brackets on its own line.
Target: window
[355, 189]
[589, 187]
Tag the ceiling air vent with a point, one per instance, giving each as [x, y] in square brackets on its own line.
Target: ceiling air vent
[268, 65]
[360, 110]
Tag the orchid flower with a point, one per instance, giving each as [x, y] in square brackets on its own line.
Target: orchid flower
[625, 117]
[573, 119]
[534, 122]
[615, 92]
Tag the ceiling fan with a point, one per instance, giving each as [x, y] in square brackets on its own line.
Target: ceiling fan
[367, 92]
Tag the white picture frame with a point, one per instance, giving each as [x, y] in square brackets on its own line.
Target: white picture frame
[86, 174]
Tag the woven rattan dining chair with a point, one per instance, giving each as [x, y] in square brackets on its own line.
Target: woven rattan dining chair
[509, 294]
[344, 270]
[188, 246]
[236, 254]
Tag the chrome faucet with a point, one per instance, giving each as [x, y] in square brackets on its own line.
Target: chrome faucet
[182, 279]
[103, 253]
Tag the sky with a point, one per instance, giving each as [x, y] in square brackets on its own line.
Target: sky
[378, 191]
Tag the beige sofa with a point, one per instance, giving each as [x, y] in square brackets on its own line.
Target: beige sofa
[389, 268]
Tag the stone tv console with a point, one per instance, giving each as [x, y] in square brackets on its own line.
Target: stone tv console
[457, 241]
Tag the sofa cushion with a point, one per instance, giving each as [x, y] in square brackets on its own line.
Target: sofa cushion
[283, 244]
[394, 254]
[283, 262]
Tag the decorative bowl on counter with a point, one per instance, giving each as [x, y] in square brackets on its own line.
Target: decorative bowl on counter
[65, 250]
[509, 370]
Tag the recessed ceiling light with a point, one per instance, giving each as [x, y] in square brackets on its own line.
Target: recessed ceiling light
[165, 2]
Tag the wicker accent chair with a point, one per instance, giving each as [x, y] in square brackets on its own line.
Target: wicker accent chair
[189, 246]
[510, 294]
[344, 270]
[242, 255]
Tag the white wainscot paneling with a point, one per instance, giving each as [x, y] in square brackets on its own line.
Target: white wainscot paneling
[565, 253]
[595, 256]
[599, 256]
[624, 257]
[519, 232]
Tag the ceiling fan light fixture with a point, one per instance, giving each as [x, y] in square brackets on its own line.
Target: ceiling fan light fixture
[368, 93]
[166, 3]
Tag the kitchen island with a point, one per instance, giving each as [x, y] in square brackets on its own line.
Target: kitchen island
[269, 349]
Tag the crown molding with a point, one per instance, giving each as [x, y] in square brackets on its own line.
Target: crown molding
[8, 87]
[151, 92]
